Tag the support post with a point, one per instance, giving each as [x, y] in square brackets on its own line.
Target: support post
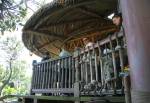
[76, 85]
[136, 17]
[33, 81]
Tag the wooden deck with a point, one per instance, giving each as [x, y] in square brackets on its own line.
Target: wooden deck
[66, 99]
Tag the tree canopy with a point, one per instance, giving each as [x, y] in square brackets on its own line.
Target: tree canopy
[13, 78]
[11, 14]
[10, 50]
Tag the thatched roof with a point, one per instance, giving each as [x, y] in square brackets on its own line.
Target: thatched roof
[63, 22]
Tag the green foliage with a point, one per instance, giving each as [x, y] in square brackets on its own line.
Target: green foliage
[19, 71]
[19, 78]
[22, 90]
[12, 13]
[9, 91]
[11, 50]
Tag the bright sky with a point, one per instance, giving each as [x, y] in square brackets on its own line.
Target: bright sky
[26, 53]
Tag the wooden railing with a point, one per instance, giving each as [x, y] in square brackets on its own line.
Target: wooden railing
[90, 72]
[53, 76]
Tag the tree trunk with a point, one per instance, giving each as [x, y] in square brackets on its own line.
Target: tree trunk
[8, 79]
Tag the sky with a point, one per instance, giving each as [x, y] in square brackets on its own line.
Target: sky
[18, 34]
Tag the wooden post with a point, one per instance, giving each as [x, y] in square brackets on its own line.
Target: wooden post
[70, 63]
[89, 57]
[72, 72]
[50, 74]
[40, 76]
[66, 72]
[101, 64]
[82, 69]
[33, 81]
[43, 74]
[59, 73]
[114, 64]
[95, 61]
[62, 74]
[76, 85]
[55, 74]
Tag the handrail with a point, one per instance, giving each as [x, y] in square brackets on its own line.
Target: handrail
[105, 41]
[79, 74]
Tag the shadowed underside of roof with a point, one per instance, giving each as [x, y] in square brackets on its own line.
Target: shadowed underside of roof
[63, 23]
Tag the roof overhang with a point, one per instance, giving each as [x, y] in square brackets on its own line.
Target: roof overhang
[56, 24]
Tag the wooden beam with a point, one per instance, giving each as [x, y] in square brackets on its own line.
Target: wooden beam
[79, 40]
[86, 30]
[100, 31]
[42, 46]
[56, 46]
[78, 32]
[38, 51]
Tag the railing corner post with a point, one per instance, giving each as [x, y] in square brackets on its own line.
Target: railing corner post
[76, 84]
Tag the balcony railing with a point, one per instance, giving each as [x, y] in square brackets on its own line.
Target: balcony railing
[54, 76]
[90, 72]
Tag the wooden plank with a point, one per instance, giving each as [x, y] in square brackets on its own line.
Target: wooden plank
[114, 99]
[54, 90]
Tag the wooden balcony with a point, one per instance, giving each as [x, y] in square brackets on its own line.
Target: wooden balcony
[84, 73]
